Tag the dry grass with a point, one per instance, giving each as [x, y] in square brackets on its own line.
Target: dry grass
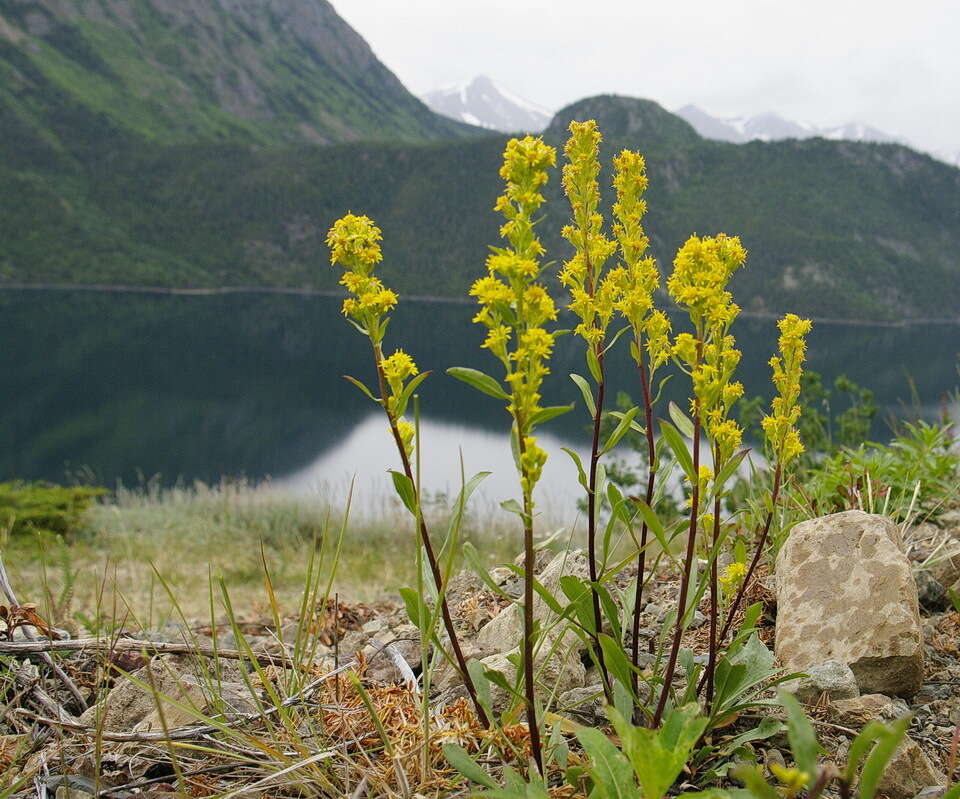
[140, 540]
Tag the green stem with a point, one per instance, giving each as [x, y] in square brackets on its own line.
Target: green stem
[687, 565]
[528, 577]
[428, 545]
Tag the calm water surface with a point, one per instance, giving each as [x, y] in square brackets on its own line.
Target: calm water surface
[130, 386]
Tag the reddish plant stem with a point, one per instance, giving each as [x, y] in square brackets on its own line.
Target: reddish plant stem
[687, 567]
[712, 658]
[735, 605]
[592, 527]
[644, 531]
[528, 569]
[428, 547]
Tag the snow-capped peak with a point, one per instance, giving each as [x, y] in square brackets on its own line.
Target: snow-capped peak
[484, 102]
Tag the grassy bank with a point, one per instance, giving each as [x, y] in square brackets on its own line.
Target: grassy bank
[139, 546]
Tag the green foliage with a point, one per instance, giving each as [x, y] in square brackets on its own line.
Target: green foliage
[867, 759]
[916, 475]
[44, 507]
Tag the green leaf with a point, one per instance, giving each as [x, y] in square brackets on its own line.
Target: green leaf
[512, 506]
[616, 660]
[587, 392]
[620, 430]
[681, 420]
[458, 758]
[594, 365]
[472, 557]
[610, 771]
[582, 475]
[407, 392]
[362, 387]
[860, 746]
[752, 779]
[658, 756]
[479, 380]
[403, 485]
[615, 338]
[546, 414]
[414, 605]
[803, 740]
[480, 682]
[879, 758]
[679, 448]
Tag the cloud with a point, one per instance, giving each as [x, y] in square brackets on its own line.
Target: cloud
[826, 61]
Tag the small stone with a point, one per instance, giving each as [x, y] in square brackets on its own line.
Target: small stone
[861, 710]
[698, 620]
[930, 591]
[653, 609]
[932, 792]
[833, 678]
[773, 757]
[908, 772]
[586, 703]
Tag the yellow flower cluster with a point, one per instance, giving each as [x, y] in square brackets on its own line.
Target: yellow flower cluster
[354, 244]
[513, 306]
[734, 574]
[701, 271]
[639, 277]
[397, 368]
[593, 298]
[531, 463]
[780, 426]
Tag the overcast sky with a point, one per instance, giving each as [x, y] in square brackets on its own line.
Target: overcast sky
[891, 64]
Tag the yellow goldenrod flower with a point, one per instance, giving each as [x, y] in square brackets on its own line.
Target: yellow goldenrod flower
[734, 573]
[353, 242]
[407, 432]
[779, 427]
[399, 366]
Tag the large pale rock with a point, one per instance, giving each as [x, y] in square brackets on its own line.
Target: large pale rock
[133, 705]
[557, 657]
[845, 592]
[908, 772]
[861, 710]
[505, 630]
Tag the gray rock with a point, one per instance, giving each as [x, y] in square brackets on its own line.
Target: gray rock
[861, 710]
[909, 772]
[845, 591]
[833, 678]
[931, 592]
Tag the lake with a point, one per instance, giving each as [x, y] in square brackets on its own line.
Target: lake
[125, 387]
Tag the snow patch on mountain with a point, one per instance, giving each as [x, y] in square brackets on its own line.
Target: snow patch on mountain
[485, 102]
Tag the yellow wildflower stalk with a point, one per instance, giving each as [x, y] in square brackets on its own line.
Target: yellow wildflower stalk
[638, 279]
[354, 243]
[780, 430]
[594, 296]
[698, 284]
[514, 308]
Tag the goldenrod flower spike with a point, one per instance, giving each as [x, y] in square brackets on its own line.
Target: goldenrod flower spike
[354, 243]
[780, 426]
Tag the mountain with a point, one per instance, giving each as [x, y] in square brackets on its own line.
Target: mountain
[261, 71]
[484, 102]
[130, 156]
[773, 127]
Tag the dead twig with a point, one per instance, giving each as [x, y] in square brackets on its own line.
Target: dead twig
[194, 731]
[69, 684]
[42, 646]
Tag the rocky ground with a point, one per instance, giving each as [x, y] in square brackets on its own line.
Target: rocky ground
[860, 606]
